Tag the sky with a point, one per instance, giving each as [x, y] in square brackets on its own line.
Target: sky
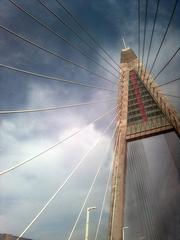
[25, 190]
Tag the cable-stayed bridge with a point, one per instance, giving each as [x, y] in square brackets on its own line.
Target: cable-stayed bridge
[133, 181]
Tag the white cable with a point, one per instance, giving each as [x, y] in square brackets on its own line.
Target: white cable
[54, 145]
[54, 78]
[103, 202]
[90, 189]
[55, 33]
[53, 108]
[66, 180]
[55, 54]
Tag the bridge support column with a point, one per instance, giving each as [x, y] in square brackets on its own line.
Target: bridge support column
[137, 113]
[118, 182]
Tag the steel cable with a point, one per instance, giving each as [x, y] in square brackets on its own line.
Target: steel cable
[163, 84]
[130, 192]
[54, 78]
[54, 145]
[157, 207]
[84, 30]
[103, 202]
[139, 193]
[60, 37]
[55, 54]
[77, 35]
[110, 178]
[53, 108]
[140, 182]
[137, 189]
[171, 95]
[66, 180]
[163, 39]
[139, 33]
[89, 192]
[141, 158]
[154, 233]
[145, 29]
[168, 62]
[152, 33]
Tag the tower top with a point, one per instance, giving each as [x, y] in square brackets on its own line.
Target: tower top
[127, 55]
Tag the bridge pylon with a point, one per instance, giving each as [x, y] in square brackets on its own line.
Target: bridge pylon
[143, 111]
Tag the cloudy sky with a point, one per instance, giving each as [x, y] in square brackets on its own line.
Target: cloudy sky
[25, 190]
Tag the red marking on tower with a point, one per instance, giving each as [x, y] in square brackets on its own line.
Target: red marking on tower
[133, 79]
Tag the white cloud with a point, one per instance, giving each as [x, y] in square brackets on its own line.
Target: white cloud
[26, 189]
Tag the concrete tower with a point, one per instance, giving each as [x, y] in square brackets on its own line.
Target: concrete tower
[143, 112]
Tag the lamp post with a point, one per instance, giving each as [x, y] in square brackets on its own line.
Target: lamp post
[87, 222]
[123, 232]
